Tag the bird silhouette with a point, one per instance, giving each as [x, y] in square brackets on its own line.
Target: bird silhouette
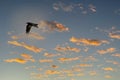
[30, 25]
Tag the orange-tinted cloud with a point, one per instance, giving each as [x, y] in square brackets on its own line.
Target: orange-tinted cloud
[68, 59]
[109, 50]
[108, 69]
[54, 66]
[28, 47]
[89, 58]
[51, 72]
[85, 65]
[116, 55]
[27, 57]
[36, 36]
[113, 62]
[45, 60]
[37, 75]
[91, 42]
[80, 74]
[93, 73]
[108, 76]
[114, 35]
[18, 60]
[52, 25]
[68, 48]
[31, 35]
[51, 54]
[70, 74]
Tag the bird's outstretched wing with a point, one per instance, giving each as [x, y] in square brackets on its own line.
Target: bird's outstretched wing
[28, 27]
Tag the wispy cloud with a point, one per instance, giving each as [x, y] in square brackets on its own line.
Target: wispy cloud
[91, 42]
[109, 50]
[24, 59]
[93, 73]
[31, 35]
[89, 58]
[108, 76]
[67, 48]
[54, 66]
[36, 36]
[27, 57]
[68, 59]
[28, 47]
[37, 75]
[108, 69]
[46, 60]
[60, 6]
[114, 35]
[113, 62]
[52, 26]
[18, 60]
[51, 54]
[117, 11]
[30, 67]
[85, 65]
[80, 74]
[92, 8]
[116, 55]
[52, 72]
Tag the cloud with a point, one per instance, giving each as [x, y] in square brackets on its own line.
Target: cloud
[62, 6]
[15, 43]
[109, 50]
[45, 60]
[108, 69]
[51, 54]
[80, 74]
[27, 57]
[114, 35]
[90, 42]
[30, 67]
[113, 62]
[52, 26]
[116, 55]
[89, 58]
[36, 36]
[68, 59]
[37, 75]
[70, 74]
[52, 72]
[108, 76]
[54, 66]
[28, 47]
[85, 65]
[80, 5]
[68, 48]
[93, 73]
[117, 11]
[84, 9]
[92, 8]
[31, 35]
[18, 60]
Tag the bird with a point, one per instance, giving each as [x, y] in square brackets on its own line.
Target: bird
[29, 25]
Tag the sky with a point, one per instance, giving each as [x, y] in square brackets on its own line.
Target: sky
[75, 40]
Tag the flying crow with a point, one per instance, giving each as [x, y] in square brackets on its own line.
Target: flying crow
[29, 25]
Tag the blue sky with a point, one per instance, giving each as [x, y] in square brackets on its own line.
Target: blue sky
[76, 40]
